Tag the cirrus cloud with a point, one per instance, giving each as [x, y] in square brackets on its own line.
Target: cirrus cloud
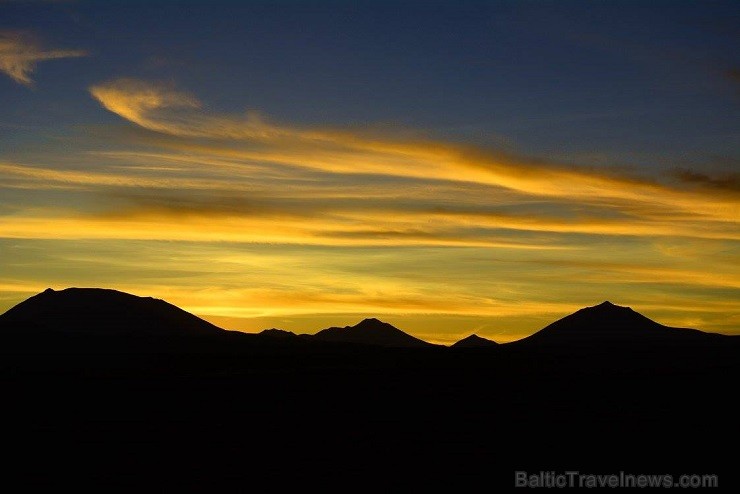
[20, 52]
[251, 139]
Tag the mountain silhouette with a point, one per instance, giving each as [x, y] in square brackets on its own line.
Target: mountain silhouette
[105, 312]
[610, 323]
[474, 341]
[102, 312]
[278, 333]
[85, 385]
[371, 332]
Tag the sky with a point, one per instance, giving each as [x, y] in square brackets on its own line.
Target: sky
[450, 167]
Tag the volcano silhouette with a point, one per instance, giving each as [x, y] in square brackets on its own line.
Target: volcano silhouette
[474, 341]
[105, 312]
[102, 312]
[371, 332]
[610, 323]
[99, 378]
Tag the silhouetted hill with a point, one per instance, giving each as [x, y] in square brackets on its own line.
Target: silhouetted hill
[183, 413]
[102, 312]
[610, 323]
[371, 332]
[278, 333]
[474, 341]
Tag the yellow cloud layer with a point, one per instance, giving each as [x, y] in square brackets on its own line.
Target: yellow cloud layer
[157, 108]
[375, 224]
[343, 211]
[260, 229]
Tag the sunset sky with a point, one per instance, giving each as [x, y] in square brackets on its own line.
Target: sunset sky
[448, 167]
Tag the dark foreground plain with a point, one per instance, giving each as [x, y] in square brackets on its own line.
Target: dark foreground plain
[217, 411]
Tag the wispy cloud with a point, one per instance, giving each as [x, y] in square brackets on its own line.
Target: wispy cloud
[20, 52]
[375, 223]
[399, 212]
[219, 177]
[251, 139]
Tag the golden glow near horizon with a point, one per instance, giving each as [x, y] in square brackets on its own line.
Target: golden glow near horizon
[253, 224]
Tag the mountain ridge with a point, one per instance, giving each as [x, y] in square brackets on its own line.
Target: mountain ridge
[609, 323]
[371, 331]
[102, 311]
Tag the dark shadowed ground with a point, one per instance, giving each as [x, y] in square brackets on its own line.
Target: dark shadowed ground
[224, 412]
[365, 415]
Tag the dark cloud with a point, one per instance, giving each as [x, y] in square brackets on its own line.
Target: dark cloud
[733, 74]
[169, 204]
[729, 181]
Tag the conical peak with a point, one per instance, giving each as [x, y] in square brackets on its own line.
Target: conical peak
[606, 305]
[474, 341]
[371, 331]
[372, 322]
[609, 305]
[473, 337]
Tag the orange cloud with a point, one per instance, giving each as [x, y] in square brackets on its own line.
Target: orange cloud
[251, 139]
[340, 212]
